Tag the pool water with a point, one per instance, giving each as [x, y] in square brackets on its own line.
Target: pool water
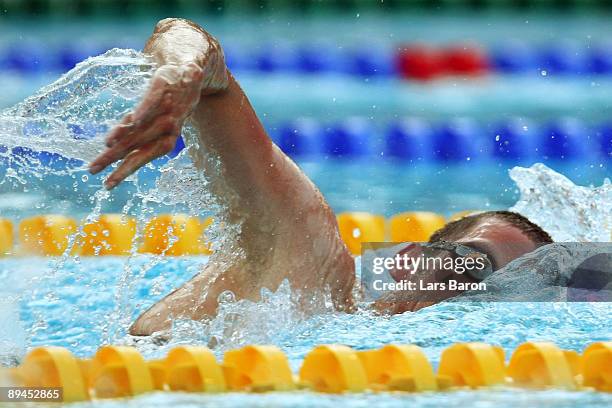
[82, 305]
[499, 398]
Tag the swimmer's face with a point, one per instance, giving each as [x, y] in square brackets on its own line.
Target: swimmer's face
[499, 240]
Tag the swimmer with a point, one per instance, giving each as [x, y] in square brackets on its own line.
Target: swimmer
[288, 231]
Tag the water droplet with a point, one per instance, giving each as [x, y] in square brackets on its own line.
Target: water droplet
[226, 297]
[85, 177]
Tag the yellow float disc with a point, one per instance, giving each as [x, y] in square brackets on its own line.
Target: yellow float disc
[111, 234]
[6, 237]
[540, 365]
[46, 235]
[473, 365]
[597, 366]
[175, 235]
[333, 369]
[358, 227]
[415, 226]
[398, 367]
[54, 367]
[193, 369]
[119, 371]
[258, 368]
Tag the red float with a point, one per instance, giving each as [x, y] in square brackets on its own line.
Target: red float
[419, 62]
[465, 61]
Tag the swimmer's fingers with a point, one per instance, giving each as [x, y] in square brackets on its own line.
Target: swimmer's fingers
[142, 127]
[123, 129]
[151, 108]
[165, 105]
[163, 99]
[133, 139]
[161, 113]
[138, 158]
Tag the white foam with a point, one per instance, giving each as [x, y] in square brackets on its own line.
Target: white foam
[566, 211]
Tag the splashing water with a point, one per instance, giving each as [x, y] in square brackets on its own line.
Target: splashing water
[570, 214]
[566, 211]
[13, 335]
[45, 142]
[71, 116]
[275, 319]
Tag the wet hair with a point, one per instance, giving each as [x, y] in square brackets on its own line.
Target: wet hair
[456, 229]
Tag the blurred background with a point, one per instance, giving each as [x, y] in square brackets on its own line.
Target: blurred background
[388, 105]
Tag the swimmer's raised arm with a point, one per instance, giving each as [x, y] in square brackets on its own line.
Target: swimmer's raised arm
[287, 230]
[193, 83]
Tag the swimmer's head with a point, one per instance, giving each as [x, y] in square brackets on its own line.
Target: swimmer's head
[503, 235]
[500, 235]
[456, 229]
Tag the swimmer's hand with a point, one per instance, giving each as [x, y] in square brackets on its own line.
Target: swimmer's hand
[152, 129]
[191, 65]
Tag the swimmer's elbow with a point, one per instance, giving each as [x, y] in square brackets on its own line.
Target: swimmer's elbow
[166, 24]
[145, 327]
[150, 322]
[138, 328]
